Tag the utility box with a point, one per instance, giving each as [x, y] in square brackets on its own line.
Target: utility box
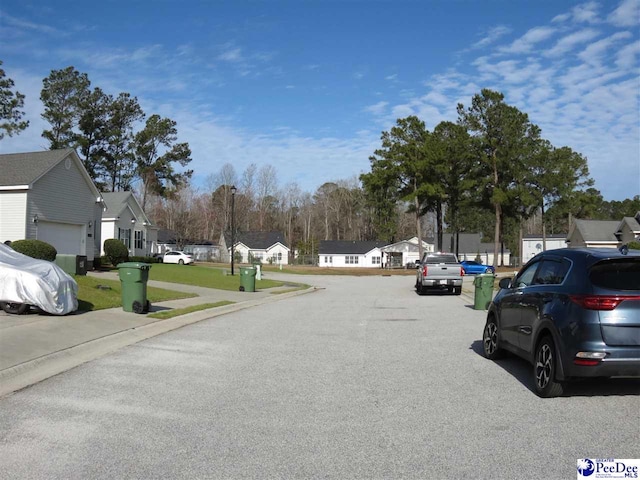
[72, 264]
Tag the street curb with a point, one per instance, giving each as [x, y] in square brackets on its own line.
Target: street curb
[29, 373]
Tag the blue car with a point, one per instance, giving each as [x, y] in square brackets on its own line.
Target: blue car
[474, 268]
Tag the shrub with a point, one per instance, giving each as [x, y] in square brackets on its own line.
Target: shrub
[145, 259]
[35, 249]
[633, 245]
[115, 251]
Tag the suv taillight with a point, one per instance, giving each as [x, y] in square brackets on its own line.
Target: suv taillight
[601, 302]
[424, 270]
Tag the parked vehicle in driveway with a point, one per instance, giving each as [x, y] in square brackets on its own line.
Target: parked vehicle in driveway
[471, 267]
[439, 271]
[177, 257]
[27, 282]
[571, 313]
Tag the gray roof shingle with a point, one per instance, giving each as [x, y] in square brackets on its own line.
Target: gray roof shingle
[598, 230]
[116, 202]
[257, 240]
[26, 168]
[348, 247]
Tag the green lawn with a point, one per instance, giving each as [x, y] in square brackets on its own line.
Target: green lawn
[90, 297]
[203, 276]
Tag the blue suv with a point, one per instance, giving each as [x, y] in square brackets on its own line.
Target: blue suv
[571, 313]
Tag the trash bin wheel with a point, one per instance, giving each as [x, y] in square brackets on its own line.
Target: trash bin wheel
[241, 288]
[14, 308]
[137, 307]
[147, 307]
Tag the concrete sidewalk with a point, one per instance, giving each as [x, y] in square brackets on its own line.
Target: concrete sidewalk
[34, 347]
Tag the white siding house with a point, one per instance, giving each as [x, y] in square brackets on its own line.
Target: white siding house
[125, 220]
[360, 254]
[49, 196]
[534, 244]
[401, 254]
[267, 247]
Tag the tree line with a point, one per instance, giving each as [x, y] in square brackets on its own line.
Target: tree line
[489, 172]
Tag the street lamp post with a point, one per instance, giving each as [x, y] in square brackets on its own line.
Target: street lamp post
[233, 224]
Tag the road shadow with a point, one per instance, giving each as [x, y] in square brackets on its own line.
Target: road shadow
[521, 370]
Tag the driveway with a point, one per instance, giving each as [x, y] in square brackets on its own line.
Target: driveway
[361, 379]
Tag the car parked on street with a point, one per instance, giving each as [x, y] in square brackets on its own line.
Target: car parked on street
[471, 267]
[27, 282]
[175, 256]
[572, 313]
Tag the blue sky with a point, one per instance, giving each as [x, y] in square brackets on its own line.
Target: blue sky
[308, 86]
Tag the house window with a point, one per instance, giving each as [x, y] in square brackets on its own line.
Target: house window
[375, 260]
[138, 239]
[124, 235]
[351, 259]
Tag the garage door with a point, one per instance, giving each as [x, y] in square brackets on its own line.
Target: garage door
[64, 237]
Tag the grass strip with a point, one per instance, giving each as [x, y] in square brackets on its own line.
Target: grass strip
[164, 314]
[204, 276]
[294, 288]
[98, 293]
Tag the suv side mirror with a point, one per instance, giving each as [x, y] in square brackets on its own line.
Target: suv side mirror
[505, 283]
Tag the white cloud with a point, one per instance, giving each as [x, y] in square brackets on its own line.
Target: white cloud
[529, 40]
[586, 13]
[570, 41]
[626, 15]
[596, 52]
[377, 109]
[231, 54]
[492, 36]
[626, 57]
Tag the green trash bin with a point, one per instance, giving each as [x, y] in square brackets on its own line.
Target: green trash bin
[483, 292]
[133, 280]
[247, 279]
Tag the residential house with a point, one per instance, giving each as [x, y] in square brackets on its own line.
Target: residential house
[267, 247]
[533, 244]
[593, 233]
[471, 247]
[604, 233]
[350, 253]
[125, 220]
[629, 229]
[49, 196]
[403, 253]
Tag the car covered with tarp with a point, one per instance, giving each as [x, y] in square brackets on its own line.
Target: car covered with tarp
[27, 282]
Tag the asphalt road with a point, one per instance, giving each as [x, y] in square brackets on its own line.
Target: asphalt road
[363, 379]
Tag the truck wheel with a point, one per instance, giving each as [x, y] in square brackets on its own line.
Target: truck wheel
[457, 290]
[14, 308]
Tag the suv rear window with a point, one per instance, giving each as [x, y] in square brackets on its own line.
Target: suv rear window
[618, 274]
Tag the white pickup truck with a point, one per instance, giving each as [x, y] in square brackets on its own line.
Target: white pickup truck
[440, 271]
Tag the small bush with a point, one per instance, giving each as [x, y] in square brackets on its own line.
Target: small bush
[115, 251]
[35, 249]
[633, 245]
[145, 259]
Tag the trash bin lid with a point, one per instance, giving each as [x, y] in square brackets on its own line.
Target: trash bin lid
[135, 265]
